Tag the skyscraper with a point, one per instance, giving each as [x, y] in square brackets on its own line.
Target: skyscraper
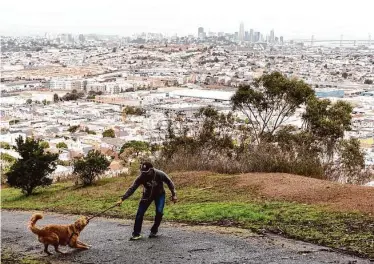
[272, 37]
[200, 31]
[81, 38]
[256, 37]
[241, 32]
[246, 36]
[251, 39]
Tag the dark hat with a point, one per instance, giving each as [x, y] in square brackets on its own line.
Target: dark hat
[146, 166]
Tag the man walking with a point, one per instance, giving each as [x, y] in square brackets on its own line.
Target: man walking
[153, 190]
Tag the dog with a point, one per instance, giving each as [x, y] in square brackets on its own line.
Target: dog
[57, 235]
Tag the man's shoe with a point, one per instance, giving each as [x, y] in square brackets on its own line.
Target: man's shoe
[152, 235]
[136, 237]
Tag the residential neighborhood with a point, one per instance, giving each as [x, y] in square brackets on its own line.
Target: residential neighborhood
[186, 74]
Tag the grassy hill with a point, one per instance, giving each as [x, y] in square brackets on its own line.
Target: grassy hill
[322, 212]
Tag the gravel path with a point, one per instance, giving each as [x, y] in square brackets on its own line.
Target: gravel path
[176, 244]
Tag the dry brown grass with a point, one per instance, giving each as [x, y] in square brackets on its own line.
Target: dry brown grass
[287, 187]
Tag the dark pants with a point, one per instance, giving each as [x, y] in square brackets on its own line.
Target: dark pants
[143, 206]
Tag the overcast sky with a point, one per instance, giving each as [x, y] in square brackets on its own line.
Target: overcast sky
[290, 18]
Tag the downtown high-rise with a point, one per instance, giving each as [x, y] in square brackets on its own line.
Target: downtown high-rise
[241, 32]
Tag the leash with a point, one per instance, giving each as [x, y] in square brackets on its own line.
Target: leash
[96, 215]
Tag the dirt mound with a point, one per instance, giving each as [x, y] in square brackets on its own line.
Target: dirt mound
[288, 187]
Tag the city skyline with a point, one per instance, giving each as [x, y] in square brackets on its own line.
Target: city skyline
[289, 19]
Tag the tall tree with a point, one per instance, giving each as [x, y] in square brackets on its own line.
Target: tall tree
[270, 100]
[91, 166]
[33, 168]
[327, 121]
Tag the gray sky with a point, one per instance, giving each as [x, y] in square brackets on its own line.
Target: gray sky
[290, 18]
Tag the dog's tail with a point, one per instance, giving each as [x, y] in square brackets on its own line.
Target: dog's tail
[32, 227]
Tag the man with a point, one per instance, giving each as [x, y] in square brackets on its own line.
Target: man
[153, 190]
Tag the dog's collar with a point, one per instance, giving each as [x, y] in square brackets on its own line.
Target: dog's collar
[72, 234]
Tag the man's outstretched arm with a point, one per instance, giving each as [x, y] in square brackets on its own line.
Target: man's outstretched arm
[130, 190]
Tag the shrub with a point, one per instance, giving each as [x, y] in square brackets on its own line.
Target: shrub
[109, 133]
[90, 166]
[33, 168]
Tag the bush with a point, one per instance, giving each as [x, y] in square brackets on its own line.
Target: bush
[61, 145]
[33, 168]
[73, 96]
[265, 158]
[132, 110]
[4, 145]
[8, 158]
[73, 129]
[91, 166]
[13, 122]
[44, 144]
[109, 133]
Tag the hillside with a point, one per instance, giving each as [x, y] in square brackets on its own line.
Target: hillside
[311, 191]
[322, 212]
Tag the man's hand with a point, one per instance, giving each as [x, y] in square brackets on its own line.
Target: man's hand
[174, 198]
[119, 202]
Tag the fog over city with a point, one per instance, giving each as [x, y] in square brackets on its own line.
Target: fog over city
[290, 18]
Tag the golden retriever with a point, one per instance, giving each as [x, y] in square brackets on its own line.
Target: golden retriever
[56, 235]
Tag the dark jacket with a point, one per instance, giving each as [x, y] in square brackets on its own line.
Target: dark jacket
[152, 185]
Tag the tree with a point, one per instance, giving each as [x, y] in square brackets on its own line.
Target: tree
[344, 75]
[13, 122]
[352, 159]
[28, 101]
[91, 166]
[270, 100]
[45, 102]
[8, 158]
[33, 168]
[74, 95]
[61, 145]
[368, 81]
[352, 156]
[73, 129]
[88, 131]
[132, 110]
[4, 145]
[327, 121]
[109, 133]
[55, 98]
[44, 144]
[137, 146]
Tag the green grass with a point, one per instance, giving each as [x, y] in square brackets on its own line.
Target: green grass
[219, 205]
[10, 257]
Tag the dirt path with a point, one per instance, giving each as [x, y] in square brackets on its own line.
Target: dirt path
[176, 244]
[301, 189]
